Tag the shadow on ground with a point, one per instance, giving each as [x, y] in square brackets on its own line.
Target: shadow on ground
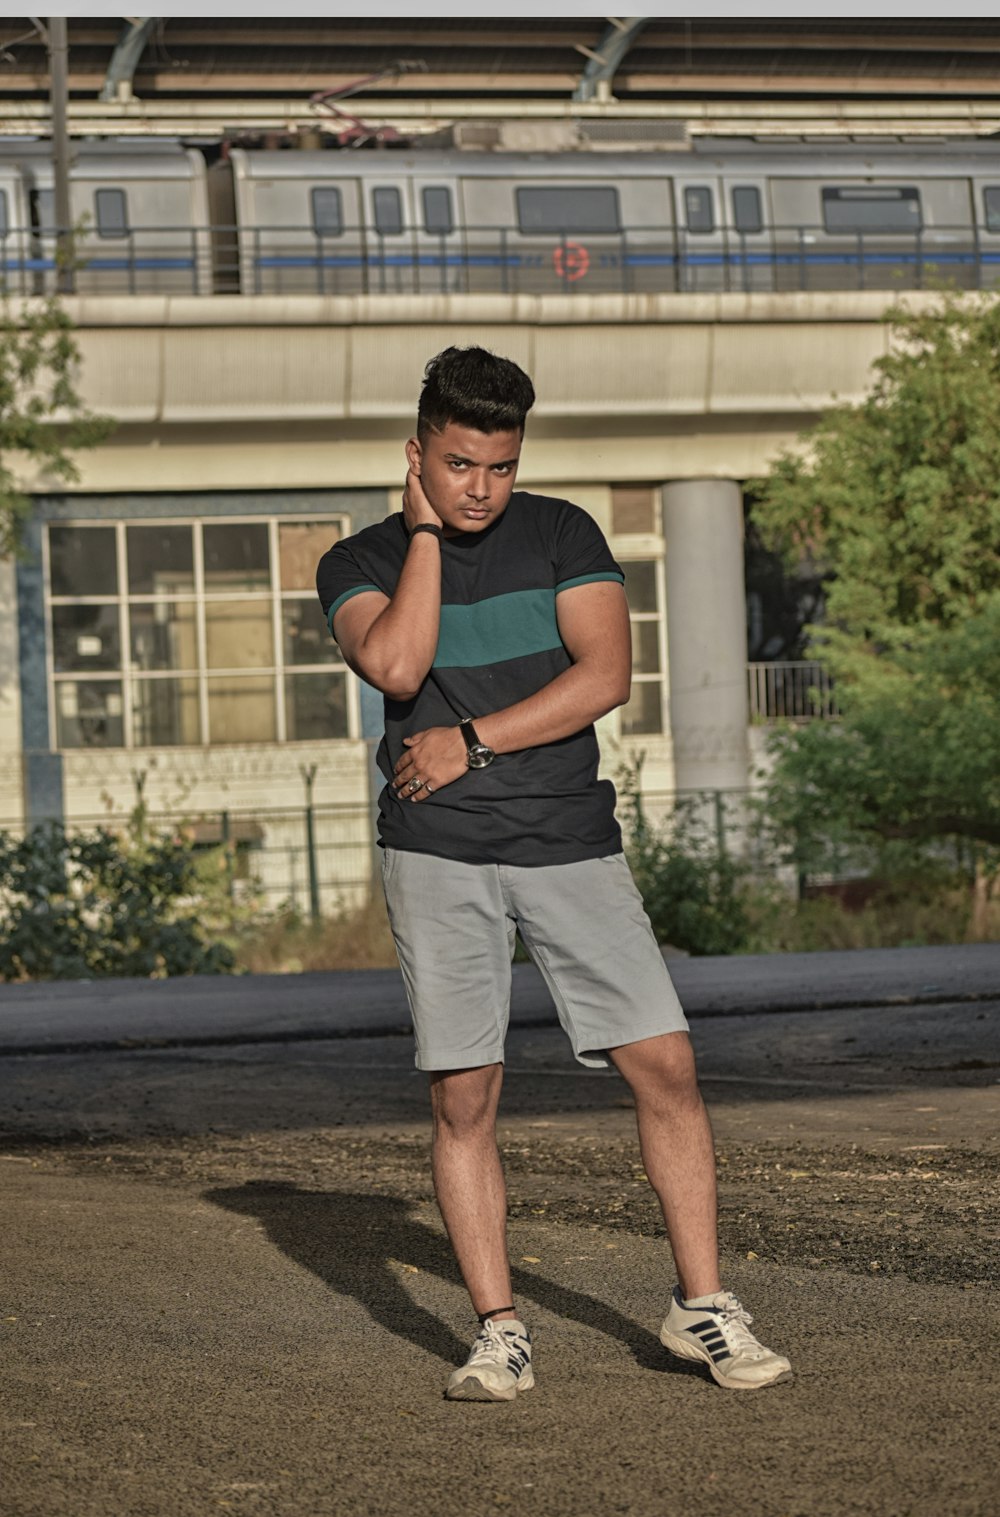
[355, 1243]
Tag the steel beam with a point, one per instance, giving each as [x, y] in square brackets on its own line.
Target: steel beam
[125, 59]
[602, 65]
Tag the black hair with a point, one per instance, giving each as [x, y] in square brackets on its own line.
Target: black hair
[475, 388]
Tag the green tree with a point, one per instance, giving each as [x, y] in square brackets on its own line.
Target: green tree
[915, 758]
[43, 420]
[898, 498]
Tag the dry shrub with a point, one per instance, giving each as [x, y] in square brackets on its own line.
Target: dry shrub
[891, 921]
[289, 943]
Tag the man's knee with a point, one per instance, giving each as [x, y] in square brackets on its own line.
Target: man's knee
[659, 1068]
[464, 1101]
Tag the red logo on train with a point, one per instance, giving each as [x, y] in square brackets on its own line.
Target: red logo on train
[571, 261]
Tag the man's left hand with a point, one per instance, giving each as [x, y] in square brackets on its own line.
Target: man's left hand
[433, 758]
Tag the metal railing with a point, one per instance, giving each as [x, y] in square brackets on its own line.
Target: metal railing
[714, 818]
[795, 691]
[313, 859]
[272, 259]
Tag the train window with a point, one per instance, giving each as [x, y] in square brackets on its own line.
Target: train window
[111, 213]
[699, 213]
[747, 215]
[438, 217]
[564, 208]
[43, 204]
[327, 214]
[991, 206]
[871, 208]
[4, 224]
[388, 209]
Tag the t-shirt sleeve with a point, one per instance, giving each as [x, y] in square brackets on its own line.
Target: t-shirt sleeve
[338, 578]
[582, 553]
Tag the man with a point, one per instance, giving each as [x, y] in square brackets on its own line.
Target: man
[496, 626]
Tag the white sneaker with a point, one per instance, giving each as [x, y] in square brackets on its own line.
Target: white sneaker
[498, 1367]
[719, 1335]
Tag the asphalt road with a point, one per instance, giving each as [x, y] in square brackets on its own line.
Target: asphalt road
[226, 1287]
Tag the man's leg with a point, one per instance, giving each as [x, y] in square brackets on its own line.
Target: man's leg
[469, 1182]
[705, 1322]
[675, 1139]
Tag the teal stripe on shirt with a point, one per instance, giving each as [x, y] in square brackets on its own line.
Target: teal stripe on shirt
[504, 626]
[493, 630]
[342, 599]
[604, 577]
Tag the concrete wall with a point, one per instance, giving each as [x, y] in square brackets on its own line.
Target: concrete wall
[306, 392]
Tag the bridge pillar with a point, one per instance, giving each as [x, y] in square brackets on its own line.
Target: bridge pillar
[706, 633]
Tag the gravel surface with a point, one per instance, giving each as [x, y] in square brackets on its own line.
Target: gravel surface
[227, 1288]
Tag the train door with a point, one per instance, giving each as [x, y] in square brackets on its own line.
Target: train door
[17, 249]
[699, 216]
[390, 225]
[750, 252]
[336, 236]
[985, 250]
[439, 264]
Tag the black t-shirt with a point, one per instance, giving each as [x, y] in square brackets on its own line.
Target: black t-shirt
[498, 643]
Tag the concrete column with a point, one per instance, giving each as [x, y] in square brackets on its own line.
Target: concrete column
[706, 633]
[43, 767]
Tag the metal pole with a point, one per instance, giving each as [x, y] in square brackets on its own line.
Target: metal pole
[139, 812]
[720, 823]
[227, 854]
[308, 772]
[58, 95]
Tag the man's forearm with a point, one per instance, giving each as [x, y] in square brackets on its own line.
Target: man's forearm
[401, 642]
[569, 703]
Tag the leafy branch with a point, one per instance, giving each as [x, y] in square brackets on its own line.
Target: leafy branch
[43, 419]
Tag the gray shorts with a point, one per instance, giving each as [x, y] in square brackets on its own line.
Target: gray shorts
[584, 926]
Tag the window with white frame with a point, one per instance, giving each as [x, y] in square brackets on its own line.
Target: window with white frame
[644, 711]
[638, 546]
[167, 633]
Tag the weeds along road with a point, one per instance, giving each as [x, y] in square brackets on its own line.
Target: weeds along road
[226, 1286]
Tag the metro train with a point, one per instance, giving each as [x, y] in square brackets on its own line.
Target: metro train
[725, 214]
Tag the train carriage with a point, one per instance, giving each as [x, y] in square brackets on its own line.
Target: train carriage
[138, 211]
[724, 215]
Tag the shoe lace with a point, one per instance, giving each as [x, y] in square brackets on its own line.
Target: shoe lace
[489, 1343]
[736, 1324]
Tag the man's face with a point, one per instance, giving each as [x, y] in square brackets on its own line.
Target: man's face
[467, 476]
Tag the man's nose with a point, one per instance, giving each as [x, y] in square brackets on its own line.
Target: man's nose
[479, 485]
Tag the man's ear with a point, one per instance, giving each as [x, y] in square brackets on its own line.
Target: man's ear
[414, 454]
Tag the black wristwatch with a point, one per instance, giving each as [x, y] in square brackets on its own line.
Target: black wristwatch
[478, 755]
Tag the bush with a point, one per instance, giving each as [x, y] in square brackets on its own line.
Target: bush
[86, 905]
[697, 896]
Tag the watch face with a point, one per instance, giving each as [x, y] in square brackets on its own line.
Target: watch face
[480, 756]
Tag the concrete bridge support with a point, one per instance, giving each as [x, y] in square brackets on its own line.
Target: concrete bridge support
[706, 633]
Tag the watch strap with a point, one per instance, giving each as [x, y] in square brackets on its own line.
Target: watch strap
[427, 526]
[469, 733]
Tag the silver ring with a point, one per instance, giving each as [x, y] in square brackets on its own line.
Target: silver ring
[428, 787]
[415, 784]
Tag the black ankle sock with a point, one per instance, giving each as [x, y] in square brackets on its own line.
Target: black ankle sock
[485, 1316]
